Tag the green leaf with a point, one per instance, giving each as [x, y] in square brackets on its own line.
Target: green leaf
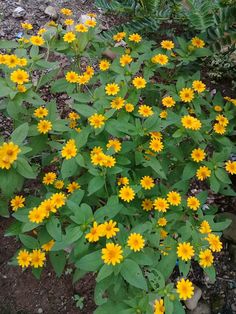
[10, 181]
[24, 168]
[95, 184]
[132, 273]
[54, 228]
[13, 230]
[29, 242]
[189, 171]
[169, 306]
[104, 272]
[20, 133]
[184, 267]
[84, 110]
[167, 264]
[8, 44]
[90, 262]
[211, 273]
[156, 166]
[69, 168]
[58, 261]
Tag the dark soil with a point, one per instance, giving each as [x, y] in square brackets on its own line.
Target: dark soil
[22, 293]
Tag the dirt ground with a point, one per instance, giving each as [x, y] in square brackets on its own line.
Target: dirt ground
[20, 292]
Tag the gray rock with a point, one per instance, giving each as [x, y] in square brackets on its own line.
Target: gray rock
[40, 310]
[230, 232]
[191, 304]
[51, 11]
[233, 307]
[202, 308]
[19, 12]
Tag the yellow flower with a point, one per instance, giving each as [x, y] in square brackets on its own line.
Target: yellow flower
[40, 112]
[115, 144]
[27, 26]
[37, 40]
[48, 246]
[8, 154]
[163, 114]
[12, 61]
[185, 251]
[198, 155]
[95, 233]
[69, 37]
[147, 182]
[71, 187]
[112, 89]
[230, 166]
[162, 222]
[104, 65]
[163, 235]
[197, 42]
[59, 184]
[205, 227]
[36, 215]
[91, 23]
[125, 60]
[89, 71]
[69, 22]
[58, 199]
[112, 254]
[156, 145]
[186, 94]
[109, 161]
[147, 204]
[72, 77]
[66, 11]
[156, 135]
[191, 123]
[81, 28]
[135, 242]
[159, 307]
[48, 207]
[198, 86]
[117, 103]
[41, 31]
[161, 204]
[139, 82]
[222, 120]
[49, 178]
[160, 59]
[22, 62]
[17, 202]
[21, 88]
[109, 229]
[174, 198]
[23, 258]
[123, 181]
[129, 107]
[126, 193]
[145, 111]
[83, 79]
[37, 258]
[20, 77]
[206, 258]
[98, 159]
[167, 44]
[135, 38]
[168, 101]
[214, 242]
[119, 36]
[218, 108]
[185, 289]
[69, 150]
[203, 173]
[193, 203]
[44, 126]
[97, 120]
[73, 115]
[219, 128]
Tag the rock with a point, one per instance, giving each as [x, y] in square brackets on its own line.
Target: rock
[19, 12]
[40, 311]
[233, 307]
[109, 54]
[84, 17]
[51, 11]
[202, 308]
[191, 304]
[230, 232]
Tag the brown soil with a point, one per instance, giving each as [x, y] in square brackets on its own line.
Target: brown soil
[22, 293]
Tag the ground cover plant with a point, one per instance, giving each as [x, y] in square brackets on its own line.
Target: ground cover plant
[117, 174]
